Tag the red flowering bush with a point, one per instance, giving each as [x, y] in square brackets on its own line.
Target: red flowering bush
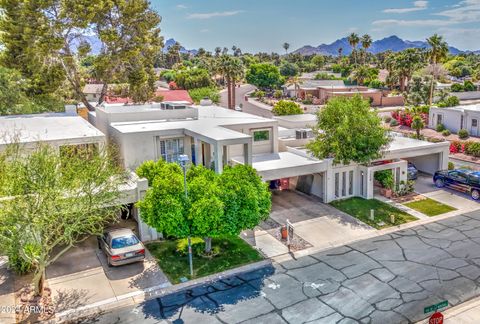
[172, 85]
[456, 147]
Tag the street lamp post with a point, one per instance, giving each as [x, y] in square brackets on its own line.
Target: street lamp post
[183, 160]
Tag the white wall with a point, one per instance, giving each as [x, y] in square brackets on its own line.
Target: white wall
[427, 163]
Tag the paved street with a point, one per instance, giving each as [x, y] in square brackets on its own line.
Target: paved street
[387, 279]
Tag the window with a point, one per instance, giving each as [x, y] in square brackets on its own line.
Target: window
[337, 184]
[439, 119]
[350, 183]
[262, 135]
[169, 149]
[474, 122]
[124, 241]
[344, 184]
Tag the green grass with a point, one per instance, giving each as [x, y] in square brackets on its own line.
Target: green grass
[232, 252]
[430, 207]
[360, 209]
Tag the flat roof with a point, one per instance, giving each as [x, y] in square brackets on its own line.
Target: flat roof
[46, 127]
[211, 123]
[298, 118]
[402, 143]
[474, 107]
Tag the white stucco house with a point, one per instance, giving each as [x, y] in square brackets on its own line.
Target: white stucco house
[456, 118]
[214, 137]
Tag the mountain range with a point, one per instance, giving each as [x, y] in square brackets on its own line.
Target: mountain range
[393, 43]
[170, 42]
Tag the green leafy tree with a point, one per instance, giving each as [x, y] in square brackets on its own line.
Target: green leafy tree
[214, 206]
[319, 61]
[264, 75]
[419, 91]
[288, 69]
[44, 40]
[202, 93]
[417, 125]
[348, 131]
[51, 201]
[286, 107]
[193, 78]
[403, 64]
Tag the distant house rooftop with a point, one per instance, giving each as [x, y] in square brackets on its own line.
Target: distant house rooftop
[174, 95]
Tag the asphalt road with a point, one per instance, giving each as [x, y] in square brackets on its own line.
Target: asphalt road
[387, 279]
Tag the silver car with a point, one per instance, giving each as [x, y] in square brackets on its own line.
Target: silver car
[121, 246]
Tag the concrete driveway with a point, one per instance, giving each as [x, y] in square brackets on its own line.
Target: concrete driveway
[462, 202]
[319, 224]
[82, 276]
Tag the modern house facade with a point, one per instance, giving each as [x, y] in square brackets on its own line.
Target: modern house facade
[456, 118]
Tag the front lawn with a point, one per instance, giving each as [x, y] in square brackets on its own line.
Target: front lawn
[360, 209]
[430, 207]
[231, 252]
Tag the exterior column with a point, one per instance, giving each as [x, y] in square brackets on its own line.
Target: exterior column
[198, 152]
[218, 158]
[247, 153]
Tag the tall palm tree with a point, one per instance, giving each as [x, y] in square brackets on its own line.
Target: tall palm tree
[218, 50]
[353, 40]
[438, 51]
[405, 63]
[286, 46]
[340, 52]
[233, 70]
[366, 43]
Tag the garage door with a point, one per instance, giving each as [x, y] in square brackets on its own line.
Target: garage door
[427, 163]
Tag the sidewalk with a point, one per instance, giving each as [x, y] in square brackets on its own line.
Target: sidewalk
[466, 313]
[7, 296]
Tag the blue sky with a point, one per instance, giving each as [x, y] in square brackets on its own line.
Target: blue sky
[264, 25]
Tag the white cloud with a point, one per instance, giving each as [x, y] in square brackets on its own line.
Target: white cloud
[205, 30]
[461, 37]
[465, 12]
[208, 15]
[417, 6]
[181, 6]
[413, 23]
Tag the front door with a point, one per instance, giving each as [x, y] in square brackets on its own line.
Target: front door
[474, 128]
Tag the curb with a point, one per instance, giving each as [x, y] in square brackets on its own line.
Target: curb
[133, 298]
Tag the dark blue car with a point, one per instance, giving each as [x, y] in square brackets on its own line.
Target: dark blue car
[467, 181]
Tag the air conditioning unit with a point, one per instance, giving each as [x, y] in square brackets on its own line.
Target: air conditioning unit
[301, 134]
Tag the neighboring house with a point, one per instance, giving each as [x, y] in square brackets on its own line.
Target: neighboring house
[377, 97]
[92, 92]
[174, 95]
[456, 118]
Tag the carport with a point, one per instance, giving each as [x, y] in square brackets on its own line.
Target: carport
[306, 173]
[428, 157]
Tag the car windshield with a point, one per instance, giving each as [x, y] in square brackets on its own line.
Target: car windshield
[124, 241]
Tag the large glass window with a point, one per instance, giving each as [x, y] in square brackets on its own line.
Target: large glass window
[169, 149]
[337, 184]
[261, 135]
[350, 183]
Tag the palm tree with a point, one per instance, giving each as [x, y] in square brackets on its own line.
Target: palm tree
[340, 52]
[360, 74]
[438, 50]
[286, 46]
[233, 70]
[353, 40]
[218, 50]
[366, 43]
[295, 81]
[417, 125]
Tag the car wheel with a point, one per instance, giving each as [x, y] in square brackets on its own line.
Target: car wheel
[475, 194]
[439, 183]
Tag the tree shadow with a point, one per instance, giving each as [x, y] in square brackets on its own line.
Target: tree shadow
[208, 299]
[66, 299]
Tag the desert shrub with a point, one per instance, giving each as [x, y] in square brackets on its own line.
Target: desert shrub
[463, 134]
[473, 149]
[278, 94]
[284, 107]
[440, 128]
[388, 119]
[457, 87]
[446, 132]
[201, 93]
[394, 122]
[469, 86]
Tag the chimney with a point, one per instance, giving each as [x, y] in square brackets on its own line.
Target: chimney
[71, 110]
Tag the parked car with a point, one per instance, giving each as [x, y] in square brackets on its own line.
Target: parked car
[467, 181]
[412, 172]
[121, 246]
